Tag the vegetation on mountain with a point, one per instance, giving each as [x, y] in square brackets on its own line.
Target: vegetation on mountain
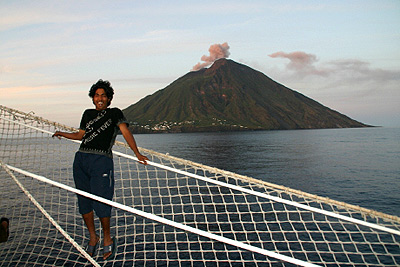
[230, 96]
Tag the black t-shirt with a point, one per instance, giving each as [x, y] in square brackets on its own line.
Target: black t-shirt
[101, 128]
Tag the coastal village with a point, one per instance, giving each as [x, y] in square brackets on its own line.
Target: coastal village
[173, 126]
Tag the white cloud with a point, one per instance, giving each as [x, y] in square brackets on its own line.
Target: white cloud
[302, 65]
[351, 86]
[16, 15]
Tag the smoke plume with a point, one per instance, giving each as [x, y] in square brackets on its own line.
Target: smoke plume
[298, 60]
[217, 51]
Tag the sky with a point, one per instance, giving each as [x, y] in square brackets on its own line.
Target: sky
[343, 54]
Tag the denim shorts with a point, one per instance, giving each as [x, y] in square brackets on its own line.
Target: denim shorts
[94, 174]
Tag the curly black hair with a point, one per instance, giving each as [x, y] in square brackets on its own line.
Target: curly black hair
[106, 85]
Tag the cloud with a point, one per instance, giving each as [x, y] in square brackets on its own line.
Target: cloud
[361, 69]
[217, 51]
[351, 86]
[297, 59]
[300, 62]
[34, 13]
[303, 65]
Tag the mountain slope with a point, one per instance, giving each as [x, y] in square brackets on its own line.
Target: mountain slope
[230, 95]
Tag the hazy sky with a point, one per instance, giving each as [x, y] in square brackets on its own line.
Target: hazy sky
[343, 54]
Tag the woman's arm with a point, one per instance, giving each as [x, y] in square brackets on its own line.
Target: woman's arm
[74, 136]
[131, 142]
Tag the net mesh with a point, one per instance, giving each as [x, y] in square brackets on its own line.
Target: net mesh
[176, 194]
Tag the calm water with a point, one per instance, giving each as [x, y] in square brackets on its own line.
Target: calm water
[357, 166]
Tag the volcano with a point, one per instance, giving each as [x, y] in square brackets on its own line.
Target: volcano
[230, 96]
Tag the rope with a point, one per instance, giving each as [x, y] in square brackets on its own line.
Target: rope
[218, 207]
[245, 190]
[160, 220]
[46, 214]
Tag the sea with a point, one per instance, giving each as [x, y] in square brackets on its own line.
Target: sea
[359, 166]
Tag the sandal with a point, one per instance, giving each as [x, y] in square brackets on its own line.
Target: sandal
[110, 248]
[91, 250]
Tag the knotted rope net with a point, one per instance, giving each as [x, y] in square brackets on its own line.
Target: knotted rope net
[173, 212]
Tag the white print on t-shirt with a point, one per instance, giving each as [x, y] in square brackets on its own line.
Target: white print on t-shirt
[99, 130]
[89, 128]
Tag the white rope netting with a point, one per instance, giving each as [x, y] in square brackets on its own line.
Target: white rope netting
[173, 212]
